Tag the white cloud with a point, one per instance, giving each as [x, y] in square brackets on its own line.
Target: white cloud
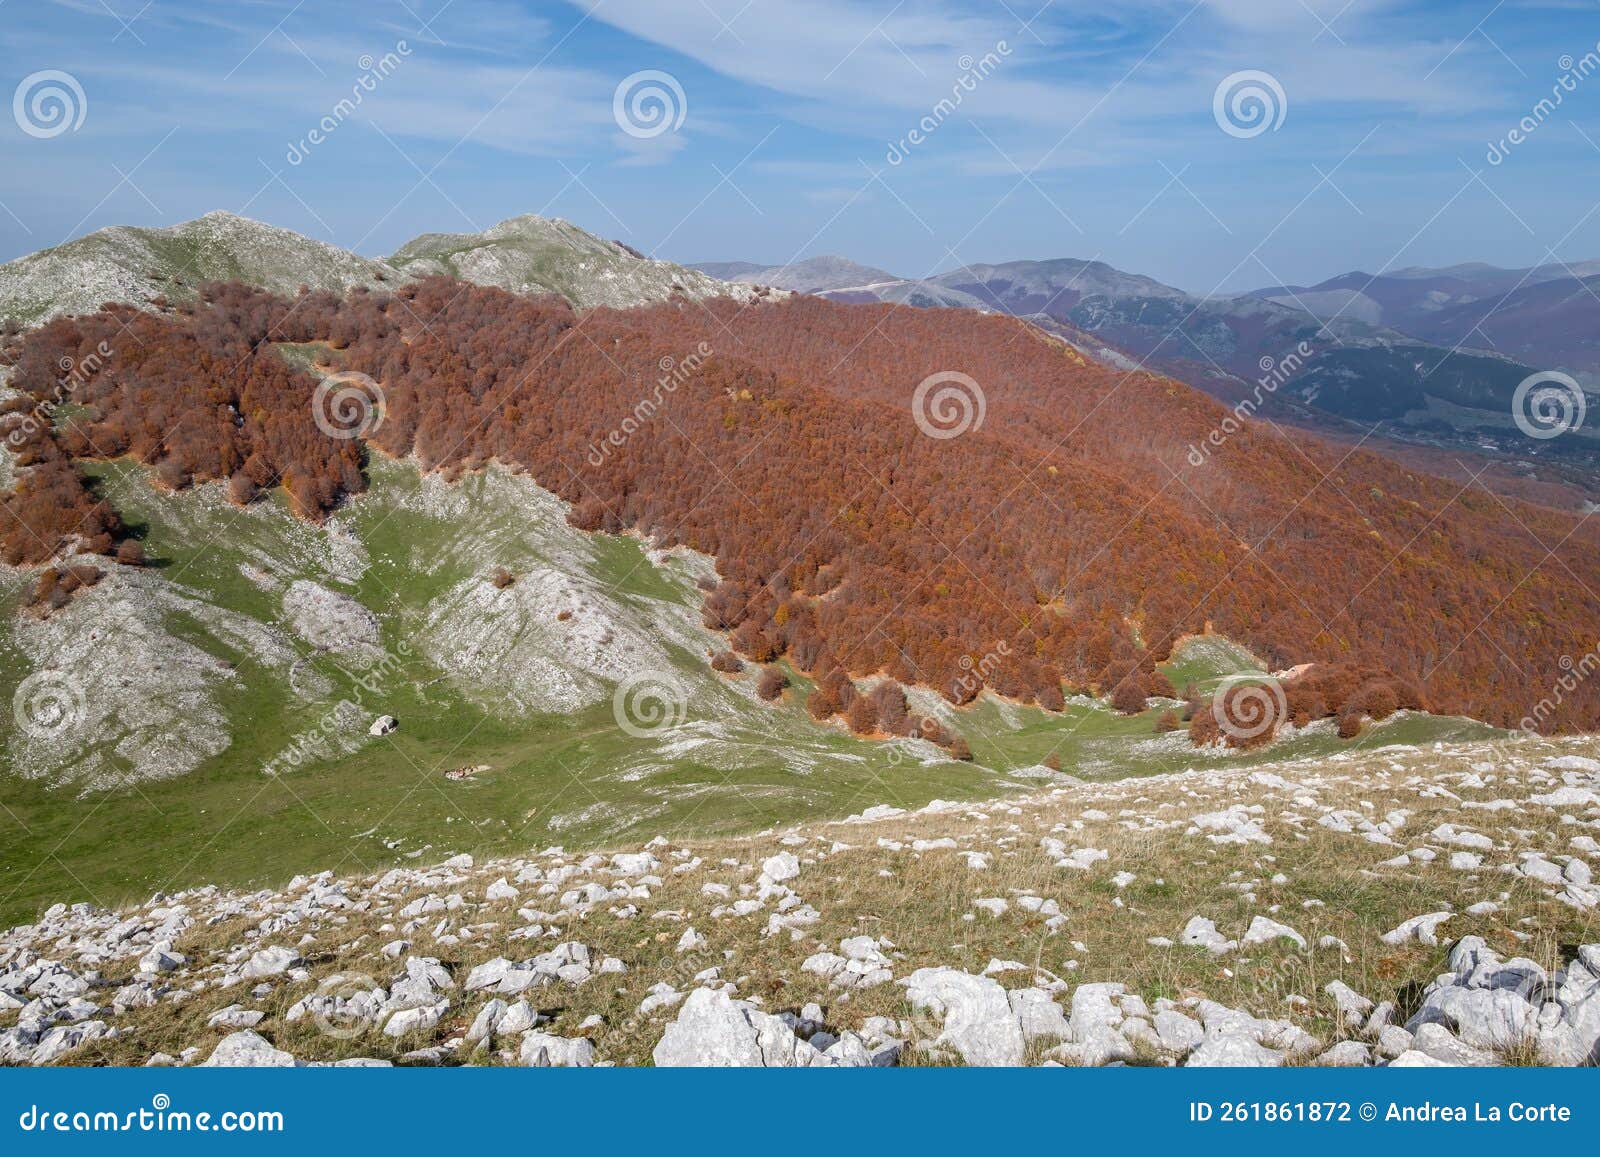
[858, 66]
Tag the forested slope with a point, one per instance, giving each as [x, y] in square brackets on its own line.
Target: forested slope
[1070, 537]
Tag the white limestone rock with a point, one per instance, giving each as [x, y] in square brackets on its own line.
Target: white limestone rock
[1039, 1015]
[1233, 1050]
[1201, 932]
[236, 1016]
[247, 1050]
[1265, 931]
[1345, 1055]
[1353, 1007]
[977, 1021]
[713, 1030]
[269, 962]
[1178, 1033]
[1424, 928]
[542, 1050]
[781, 867]
[419, 1019]
[1441, 1044]
[1416, 1059]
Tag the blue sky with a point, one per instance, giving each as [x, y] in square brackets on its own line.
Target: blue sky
[1090, 133]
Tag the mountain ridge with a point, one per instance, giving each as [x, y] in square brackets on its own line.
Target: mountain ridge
[533, 254]
[1343, 358]
[145, 265]
[841, 279]
[130, 263]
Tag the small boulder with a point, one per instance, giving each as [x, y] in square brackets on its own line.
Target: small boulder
[977, 1018]
[1201, 932]
[247, 1050]
[783, 866]
[713, 1030]
[541, 1050]
[267, 962]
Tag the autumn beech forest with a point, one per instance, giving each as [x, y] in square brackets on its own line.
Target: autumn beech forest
[1063, 543]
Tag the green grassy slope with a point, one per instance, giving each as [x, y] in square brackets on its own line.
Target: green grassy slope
[518, 682]
[412, 551]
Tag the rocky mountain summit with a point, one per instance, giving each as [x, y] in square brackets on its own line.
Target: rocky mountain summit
[126, 263]
[531, 254]
[1396, 907]
[526, 254]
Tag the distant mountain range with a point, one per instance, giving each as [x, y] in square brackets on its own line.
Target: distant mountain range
[1435, 355]
[1548, 316]
[1408, 298]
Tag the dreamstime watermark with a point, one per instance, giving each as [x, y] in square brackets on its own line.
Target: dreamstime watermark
[48, 103]
[74, 373]
[1573, 74]
[1275, 373]
[948, 404]
[373, 73]
[976, 673]
[1575, 672]
[1548, 404]
[330, 735]
[1248, 103]
[649, 103]
[323, 740]
[159, 1117]
[48, 704]
[648, 703]
[973, 73]
[674, 373]
[347, 404]
[1248, 707]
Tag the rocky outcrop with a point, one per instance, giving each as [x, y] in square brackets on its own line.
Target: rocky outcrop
[531, 254]
[731, 953]
[1510, 1006]
[328, 619]
[714, 1030]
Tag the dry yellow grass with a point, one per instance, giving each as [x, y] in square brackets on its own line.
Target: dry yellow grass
[866, 878]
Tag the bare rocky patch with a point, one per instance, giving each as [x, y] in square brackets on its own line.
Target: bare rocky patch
[139, 701]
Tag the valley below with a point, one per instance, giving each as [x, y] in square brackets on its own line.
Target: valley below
[221, 726]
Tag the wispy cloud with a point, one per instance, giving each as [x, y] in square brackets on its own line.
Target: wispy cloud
[1084, 116]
